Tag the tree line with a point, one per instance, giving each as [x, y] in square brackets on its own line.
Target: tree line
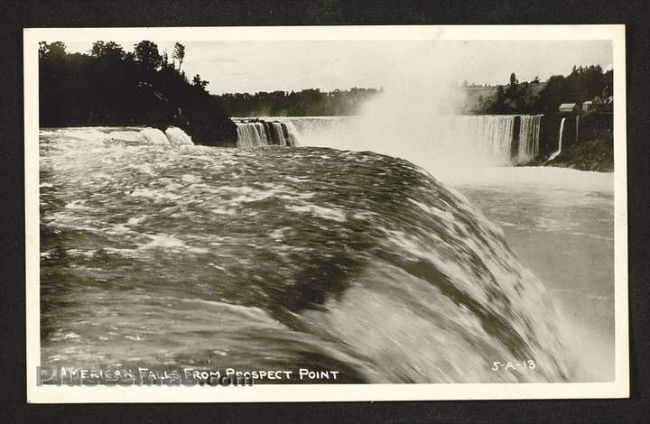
[582, 84]
[309, 102]
[114, 87]
[111, 86]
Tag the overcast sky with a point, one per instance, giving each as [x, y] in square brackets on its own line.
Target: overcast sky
[251, 66]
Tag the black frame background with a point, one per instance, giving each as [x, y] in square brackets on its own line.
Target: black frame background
[15, 15]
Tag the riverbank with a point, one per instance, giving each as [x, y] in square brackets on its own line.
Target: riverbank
[592, 155]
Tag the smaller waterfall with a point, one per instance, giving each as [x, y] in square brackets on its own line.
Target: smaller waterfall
[153, 136]
[251, 134]
[559, 142]
[292, 133]
[177, 137]
[257, 132]
[171, 137]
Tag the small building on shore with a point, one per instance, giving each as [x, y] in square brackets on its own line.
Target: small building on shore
[568, 108]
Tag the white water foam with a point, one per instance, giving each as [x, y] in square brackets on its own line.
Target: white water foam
[153, 136]
[177, 137]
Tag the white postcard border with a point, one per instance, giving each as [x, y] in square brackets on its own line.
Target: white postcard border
[619, 388]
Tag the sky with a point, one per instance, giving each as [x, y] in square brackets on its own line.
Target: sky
[252, 66]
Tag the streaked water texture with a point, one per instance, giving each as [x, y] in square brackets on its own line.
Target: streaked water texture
[169, 254]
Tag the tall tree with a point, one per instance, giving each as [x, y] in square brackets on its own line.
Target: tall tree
[146, 52]
[198, 82]
[42, 49]
[110, 50]
[179, 54]
[55, 50]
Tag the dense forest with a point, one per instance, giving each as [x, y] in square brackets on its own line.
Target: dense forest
[110, 86]
[310, 102]
[582, 84]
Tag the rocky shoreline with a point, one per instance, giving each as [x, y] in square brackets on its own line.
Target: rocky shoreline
[591, 155]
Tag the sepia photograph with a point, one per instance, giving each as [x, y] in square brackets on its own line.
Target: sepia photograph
[326, 213]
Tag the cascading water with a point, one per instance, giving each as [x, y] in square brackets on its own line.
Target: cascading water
[153, 136]
[177, 137]
[279, 259]
[251, 134]
[559, 141]
[256, 133]
[172, 137]
[489, 136]
[529, 138]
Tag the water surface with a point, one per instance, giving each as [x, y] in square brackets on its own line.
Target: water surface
[168, 256]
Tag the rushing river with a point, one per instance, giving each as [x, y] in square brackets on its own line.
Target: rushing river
[172, 255]
[560, 224]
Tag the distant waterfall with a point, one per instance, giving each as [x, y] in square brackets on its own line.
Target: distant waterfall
[489, 134]
[529, 138]
[494, 135]
[559, 141]
[256, 133]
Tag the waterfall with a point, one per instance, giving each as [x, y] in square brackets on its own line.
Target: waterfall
[529, 138]
[292, 133]
[559, 141]
[489, 136]
[171, 137]
[499, 137]
[177, 137]
[153, 136]
[256, 133]
[493, 136]
[251, 135]
[389, 276]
